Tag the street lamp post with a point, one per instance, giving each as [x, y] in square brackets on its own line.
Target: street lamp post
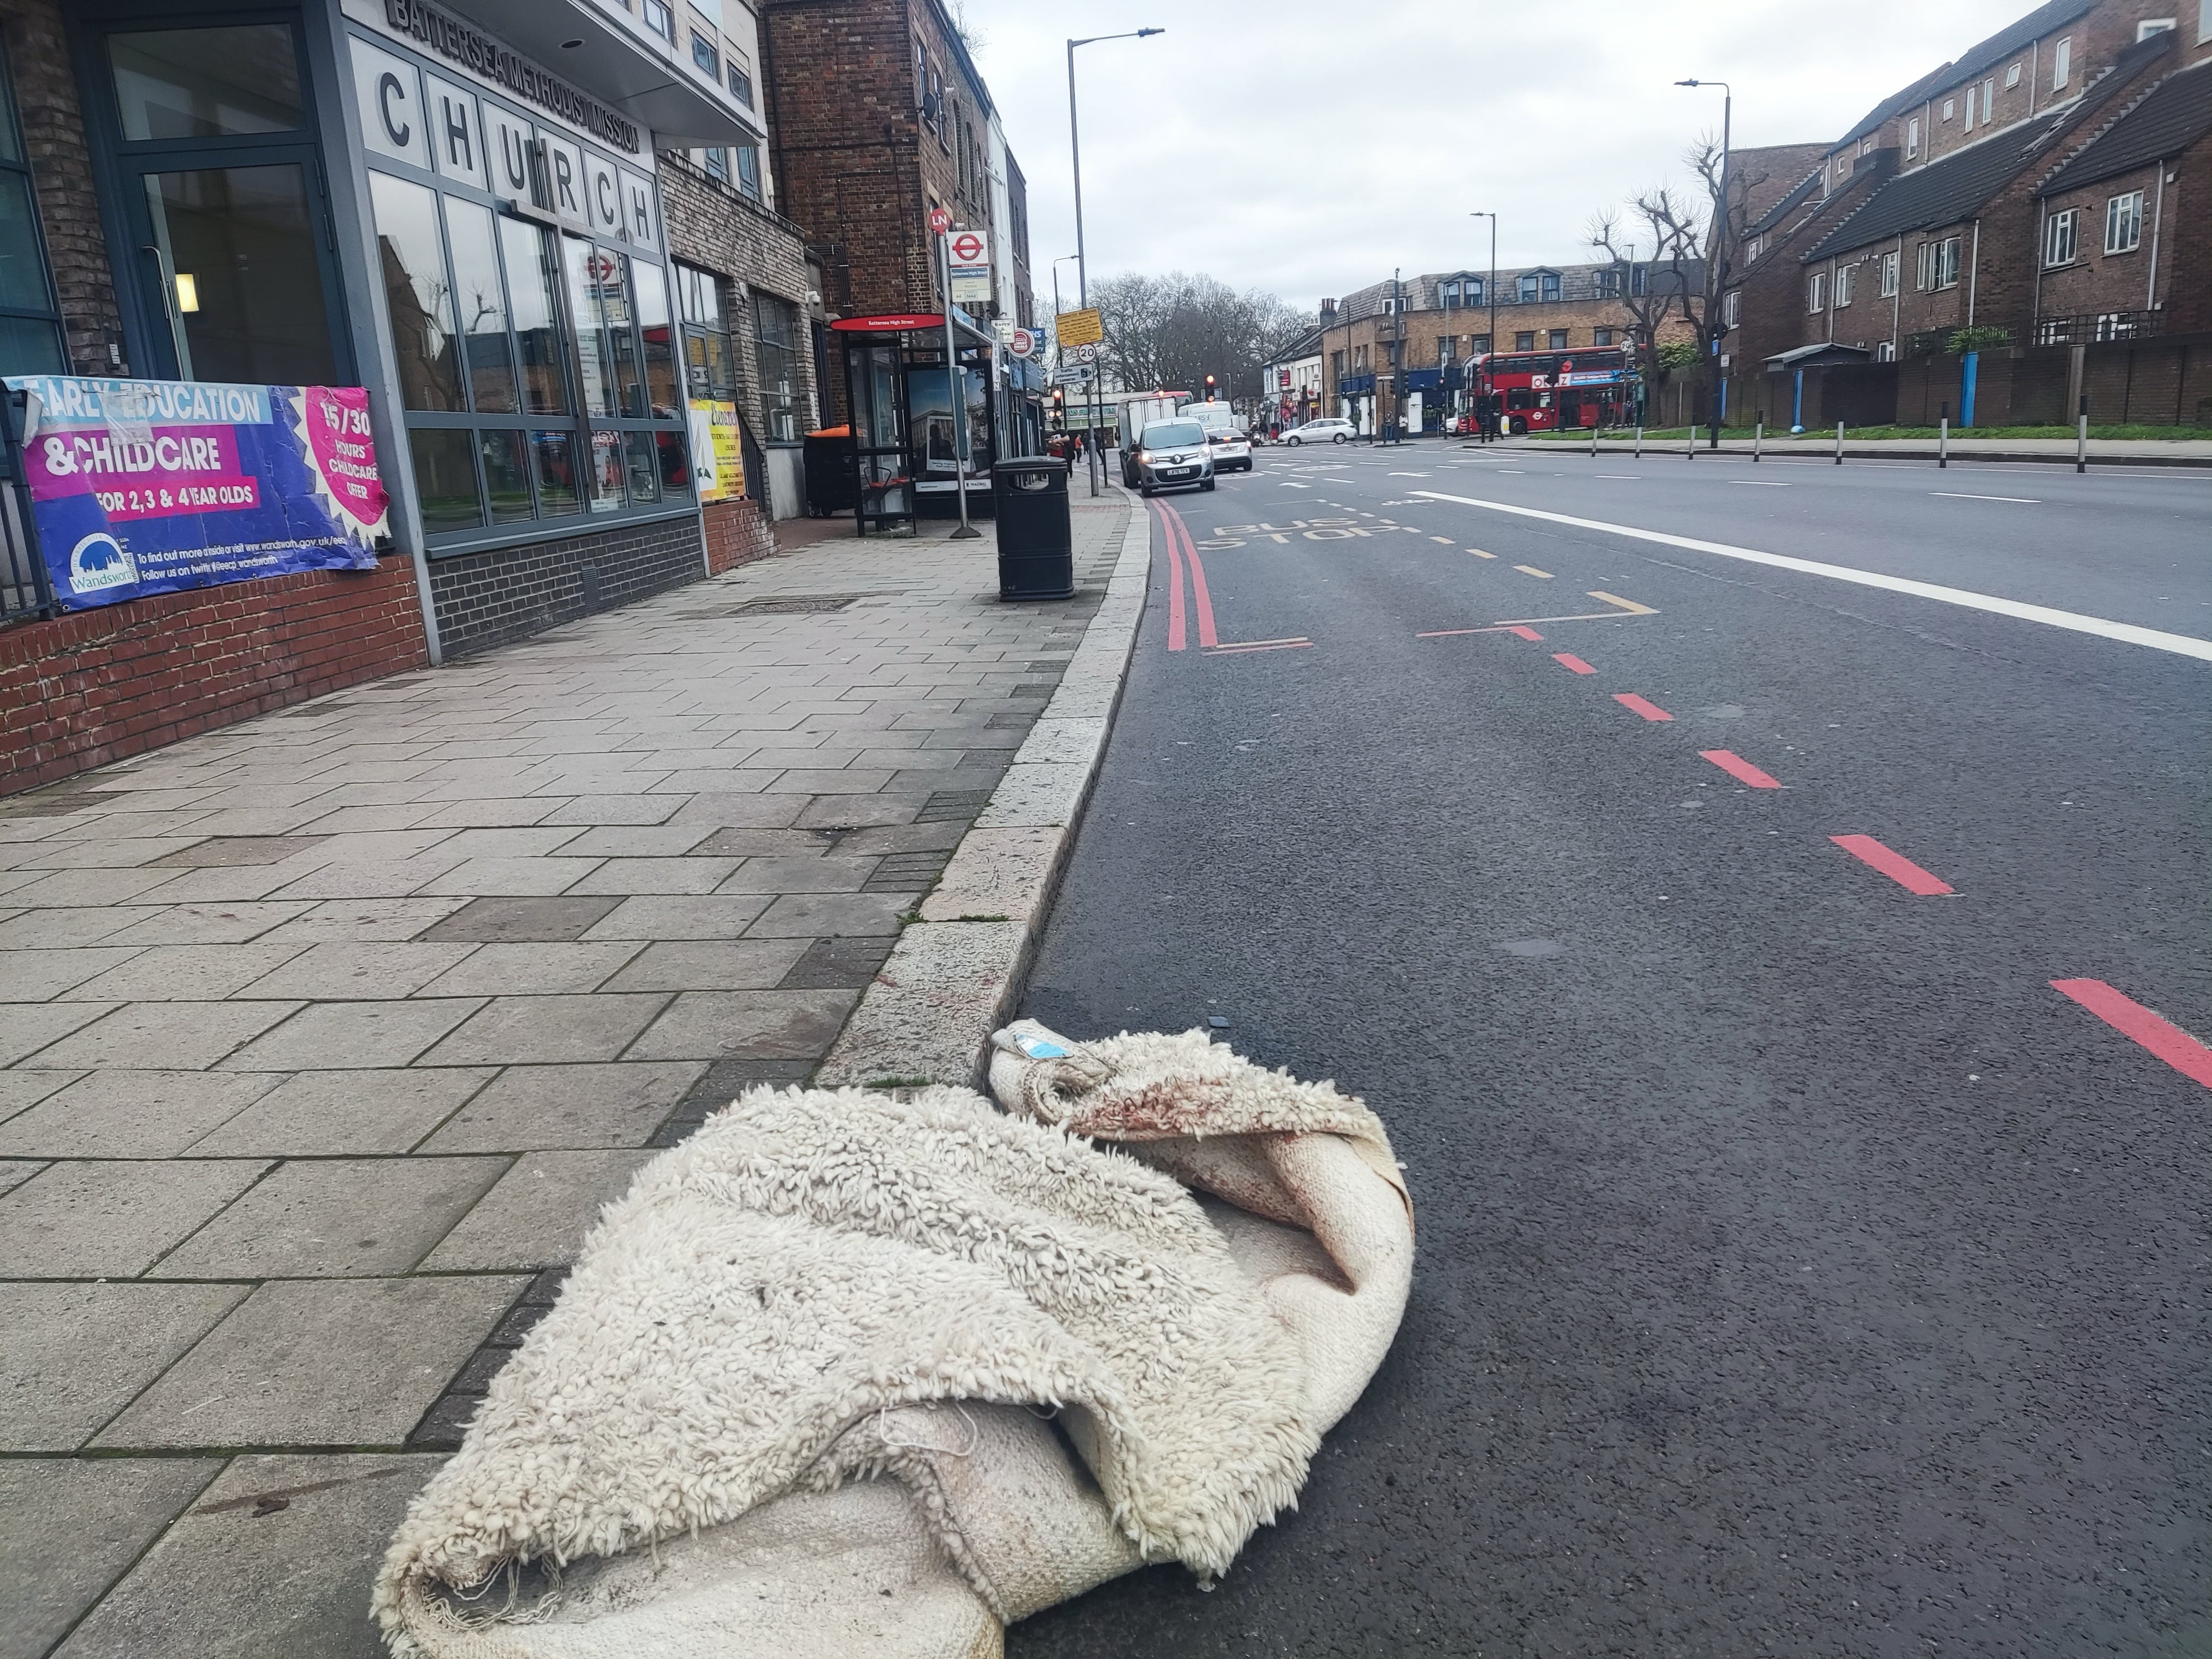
[1721, 231]
[1493, 299]
[1058, 352]
[1082, 268]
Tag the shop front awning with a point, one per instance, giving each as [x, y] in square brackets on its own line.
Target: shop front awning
[610, 57]
[914, 322]
[1826, 355]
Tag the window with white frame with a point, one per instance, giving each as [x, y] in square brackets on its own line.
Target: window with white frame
[1971, 92]
[2204, 21]
[2061, 237]
[1885, 351]
[1947, 263]
[2012, 77]
[1731, 312]
[1816, 291]
[1888, 267]
[1988, 97]
[1913, 131]
[1846, 282]
[1924, 266]
[2061, 64]
[1950, 108]
[2151, 26]
[658, 18]
[2124, 223]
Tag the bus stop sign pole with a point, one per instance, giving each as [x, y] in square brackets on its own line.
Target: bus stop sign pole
[967, 531]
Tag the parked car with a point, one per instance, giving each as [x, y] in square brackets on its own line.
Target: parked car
[1321, 432]
[1173, 455]
[1231, 449]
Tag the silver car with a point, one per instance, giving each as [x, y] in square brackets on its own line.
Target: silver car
[1231, 449]
[1321, 432]
[1172, 455]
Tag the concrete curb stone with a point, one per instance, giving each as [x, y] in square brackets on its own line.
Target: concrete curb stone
[957, 971]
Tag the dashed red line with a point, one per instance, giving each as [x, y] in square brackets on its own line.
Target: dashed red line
[1525, 633]
[1567, 659]
[1651, 711]
[1899, 868]
[1741, 769]
[2131, 1019]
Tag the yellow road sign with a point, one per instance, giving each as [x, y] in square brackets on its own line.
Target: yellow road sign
[1080, 328]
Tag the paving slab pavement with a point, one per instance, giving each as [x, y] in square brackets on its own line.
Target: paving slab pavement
[324, 1037]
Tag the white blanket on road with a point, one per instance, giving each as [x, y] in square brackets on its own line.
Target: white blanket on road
[795, 1397]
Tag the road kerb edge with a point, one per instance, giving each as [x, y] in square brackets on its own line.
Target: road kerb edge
[957, 973]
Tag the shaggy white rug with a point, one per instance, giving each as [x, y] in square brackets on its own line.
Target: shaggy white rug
[850, 1375]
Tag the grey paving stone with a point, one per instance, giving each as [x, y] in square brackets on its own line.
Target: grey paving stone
[370, 877]
[768, 843]
[332, 1217]
[366, 919]
[70, 1526]
[22, 1089]
[680, 875]
[153, 1035]
[345, 1036]
[30, 976]
[49, 930]
[130, 1114]
[520, 841]
[680, 916]
[860, 811]
[273, 1562]
[187, 973]
[340, 971]
[512, 877]
[29, 1027]
[548, 1030]
[540, 969]
[576, 1107]
[740, 812]
[616, 808]
[708, 965]
[539, 1213]
[643, 841]
[223, 851]
[747, 1024]
[76, 1353]
[519, 920]
[327, 1113]
[811, 916]
[327, 1362]
[830, 873]
[461, 811]
[843, 963]
[206, 924]
[14, 1172]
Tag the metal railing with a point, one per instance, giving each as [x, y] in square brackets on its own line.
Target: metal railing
[2089, 327]
[25, 591]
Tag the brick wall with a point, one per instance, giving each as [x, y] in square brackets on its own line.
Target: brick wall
[711, 226]
[61, 170]
[94, 686]
[484, 599]
[738, 533]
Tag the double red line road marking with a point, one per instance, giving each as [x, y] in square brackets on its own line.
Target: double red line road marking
[1182, 550]
[2122, 1012]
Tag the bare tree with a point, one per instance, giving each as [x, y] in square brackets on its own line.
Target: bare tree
[1696, 239]
[1174, 330]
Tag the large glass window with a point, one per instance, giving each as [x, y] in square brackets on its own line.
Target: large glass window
[539, 368]
[777, 323]
[709, 353]
[237, 246]
[30, 322]
[207, 82]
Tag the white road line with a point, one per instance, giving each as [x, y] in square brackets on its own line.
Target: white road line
[2180, 644]
[1763, 484]
[1628, 477]
[1960, 496]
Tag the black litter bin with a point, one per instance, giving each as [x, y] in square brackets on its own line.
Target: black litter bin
[1036, 545]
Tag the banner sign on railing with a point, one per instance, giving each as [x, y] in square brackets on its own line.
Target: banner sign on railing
[149, 486]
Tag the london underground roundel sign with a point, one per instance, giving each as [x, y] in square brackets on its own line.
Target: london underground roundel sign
[968, 249]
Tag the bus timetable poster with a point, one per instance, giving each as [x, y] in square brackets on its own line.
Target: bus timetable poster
[149, 486]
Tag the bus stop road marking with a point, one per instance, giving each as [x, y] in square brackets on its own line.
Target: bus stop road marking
[1650, 710]
[1741, 769]
[1568, 660]
[1899, 868]
[2132, 1020]
[2128, 633]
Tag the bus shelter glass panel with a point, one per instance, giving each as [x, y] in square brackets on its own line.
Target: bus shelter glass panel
[876, 386]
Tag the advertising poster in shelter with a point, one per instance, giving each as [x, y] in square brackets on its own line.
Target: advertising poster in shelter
[149, 486]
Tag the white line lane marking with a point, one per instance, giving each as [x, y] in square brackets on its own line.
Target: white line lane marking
[1960, 496]
[2180, 644]
[1764, 483]
[1630, 477]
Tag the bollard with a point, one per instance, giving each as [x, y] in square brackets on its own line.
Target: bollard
[1758, 440]
[1942, 441]
[1593, 443]
[1689, 445]
[2081, 437]
[1840, 443]
[1639, 443]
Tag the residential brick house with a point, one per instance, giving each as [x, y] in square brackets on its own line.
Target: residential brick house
[1406, 342]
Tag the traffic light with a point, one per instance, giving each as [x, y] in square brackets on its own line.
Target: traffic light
[1209, 388]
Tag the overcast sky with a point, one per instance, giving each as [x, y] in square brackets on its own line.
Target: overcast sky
[1307, 146]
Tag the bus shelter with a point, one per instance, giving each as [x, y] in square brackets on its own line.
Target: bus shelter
[906, 435]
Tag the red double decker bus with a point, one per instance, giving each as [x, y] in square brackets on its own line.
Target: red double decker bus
[1557, 390]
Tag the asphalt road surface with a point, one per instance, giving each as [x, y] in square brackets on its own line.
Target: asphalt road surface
[1801, 1271]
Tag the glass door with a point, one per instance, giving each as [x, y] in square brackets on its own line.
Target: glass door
[223, 198]
[875, 387]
